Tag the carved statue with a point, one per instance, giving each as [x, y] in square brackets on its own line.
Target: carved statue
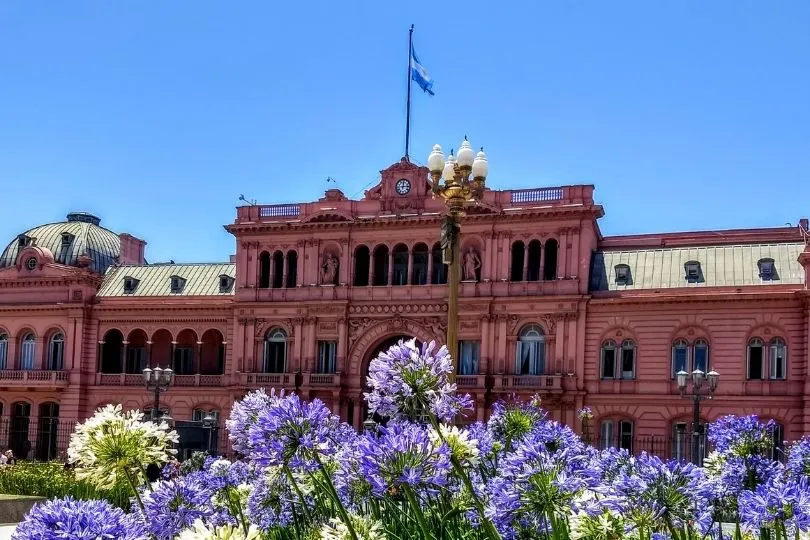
[329, 270]
[471, 265]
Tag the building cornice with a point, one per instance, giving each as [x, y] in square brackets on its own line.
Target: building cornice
[702, 238]
[770, 295]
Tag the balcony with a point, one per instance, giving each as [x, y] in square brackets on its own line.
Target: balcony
[38, 378]
[551, 384]
[136, 379]
[322, 379]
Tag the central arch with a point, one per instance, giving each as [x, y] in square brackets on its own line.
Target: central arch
[386, 332]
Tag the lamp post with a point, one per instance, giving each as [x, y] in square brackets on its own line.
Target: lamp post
[459, 180]
[703, 387]
[157, 380]
[208, 424]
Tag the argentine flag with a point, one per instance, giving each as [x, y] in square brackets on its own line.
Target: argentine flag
[420, 74]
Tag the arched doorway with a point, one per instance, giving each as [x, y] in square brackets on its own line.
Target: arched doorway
[374, 352]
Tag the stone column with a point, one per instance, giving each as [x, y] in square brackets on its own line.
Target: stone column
[483, 366]
[284, 271]
[224, 355]
[390, 267]
[488, 266]
[543, 262]
[124, 345]
[525, 261]
[149, 354]
[171, 357]
[502, 364]
[40, 353]
[429, 280]
[198, 358]
[342, 347]
[100, 352]
[410, 266]
[298, 361]
[312, 346]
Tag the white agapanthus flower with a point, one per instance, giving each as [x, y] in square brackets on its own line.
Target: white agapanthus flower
[462, 446]
[199, 531]
[112, 445]
[366, 529]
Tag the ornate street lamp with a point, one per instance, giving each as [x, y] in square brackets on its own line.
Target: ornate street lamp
[703, 387]
[158, 380]
[369, 424]
[208, 424]
[459, 180]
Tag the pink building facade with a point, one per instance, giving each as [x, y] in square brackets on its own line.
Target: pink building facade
[549, 306]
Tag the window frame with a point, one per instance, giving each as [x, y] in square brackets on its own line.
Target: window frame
[623, 274]
[627, 345]
[327, 356]
[475, 363]
[533, 338]
[773, 345]
[4, 339]
[275, 337]
[681, 344]
[28, 352]
[760, 343]
[616, 434]
[56, 352]
[608, 345]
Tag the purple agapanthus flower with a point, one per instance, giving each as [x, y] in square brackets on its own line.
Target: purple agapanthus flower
[777, 501]
[798, 462]
[174, 505]
[411, 382]
[69, 519]
[244, 414]
[289, 429]
[510, 421]
[272, 503]
[402, 454]
[741, 435]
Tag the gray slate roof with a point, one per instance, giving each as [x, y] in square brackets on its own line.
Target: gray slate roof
[101, 245]
[663, 268]
[155, 279]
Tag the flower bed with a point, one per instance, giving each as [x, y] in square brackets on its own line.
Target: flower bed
[305, 475]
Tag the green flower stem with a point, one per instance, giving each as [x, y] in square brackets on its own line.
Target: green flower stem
[420, 516]
[333, 492]
[290, 476]
[135, 491]
[230, 490]
[492, 532]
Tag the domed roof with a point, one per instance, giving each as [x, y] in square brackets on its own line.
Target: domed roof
[81, 235]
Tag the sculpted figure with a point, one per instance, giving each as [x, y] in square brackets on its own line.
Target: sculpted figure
[471, 265]
[329, 270]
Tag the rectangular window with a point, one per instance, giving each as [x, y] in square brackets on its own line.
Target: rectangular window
[606, 434]
[136, 359]
[628, 362]
[680, 360]
[468, 353]
[755, 362]
[183, 361]
[327, 356]
[702, 358]
[608, 362]
[530, 358]
[778, 361]
[626, 435]
[275, 353]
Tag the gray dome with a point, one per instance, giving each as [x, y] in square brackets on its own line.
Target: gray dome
[81, 235]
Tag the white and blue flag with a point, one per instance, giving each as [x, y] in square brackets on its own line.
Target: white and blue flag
[420, 74]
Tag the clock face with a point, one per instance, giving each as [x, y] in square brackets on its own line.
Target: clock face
[403, 187]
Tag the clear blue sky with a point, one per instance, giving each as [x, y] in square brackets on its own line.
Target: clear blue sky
[157, 115]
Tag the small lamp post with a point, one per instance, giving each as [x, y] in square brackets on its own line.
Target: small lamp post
[703, 387]
[460, 181]
[369, 424]
[208, 424]
[158, 380]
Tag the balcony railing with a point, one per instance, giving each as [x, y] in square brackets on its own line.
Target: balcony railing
[265, 379]
[322, 379]
[136, 379]
[536, 195]
[22, 377]
[471, 381]
[539, 383]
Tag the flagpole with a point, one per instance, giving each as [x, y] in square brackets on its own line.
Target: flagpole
[408, 106]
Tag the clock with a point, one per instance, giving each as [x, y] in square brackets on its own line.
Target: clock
[403, 186]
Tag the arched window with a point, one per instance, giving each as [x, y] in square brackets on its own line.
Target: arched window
[680, 356]
[380, 265]
[438, 274]
[420, 265]
[28, 352]
[701, 355]
[47, 448]
[111, 348]
[56, 352]
[3, 350]
[616, 434]
[608, 360]
[278, 270]
[531, 351]
[275, 351]
[778, 358]
[533, 268]
[756, 359]
[264, 270]
[400, 256]
[550, 264]
[292, 269]
[518, 256]
[362, 265]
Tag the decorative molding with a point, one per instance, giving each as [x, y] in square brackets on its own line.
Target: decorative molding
[397, 308]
